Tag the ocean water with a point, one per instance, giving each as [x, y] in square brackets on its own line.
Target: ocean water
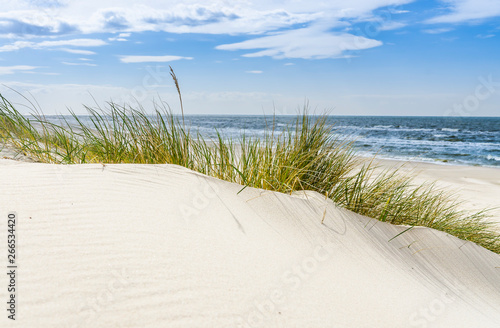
[447, 140]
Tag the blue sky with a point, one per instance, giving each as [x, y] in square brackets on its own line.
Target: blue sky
[358, 57]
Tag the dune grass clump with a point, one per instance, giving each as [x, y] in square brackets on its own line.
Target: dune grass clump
[306, 155]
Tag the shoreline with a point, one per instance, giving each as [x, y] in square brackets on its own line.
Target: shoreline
[425, 161]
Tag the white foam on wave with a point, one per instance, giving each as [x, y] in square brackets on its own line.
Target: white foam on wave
[494, 158]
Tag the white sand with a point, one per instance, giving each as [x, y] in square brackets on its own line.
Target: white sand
[478, 187]
[161, 246]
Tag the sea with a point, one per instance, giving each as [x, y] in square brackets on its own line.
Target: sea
[443, 140]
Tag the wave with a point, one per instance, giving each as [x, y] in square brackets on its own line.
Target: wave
[426, 142]
[494, 158]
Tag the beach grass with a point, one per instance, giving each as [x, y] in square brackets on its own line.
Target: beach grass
[306, 155]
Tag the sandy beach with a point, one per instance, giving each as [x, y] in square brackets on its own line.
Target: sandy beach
[478, 187]
[160, 246]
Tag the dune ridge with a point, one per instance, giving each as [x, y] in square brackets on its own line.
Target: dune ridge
[131, 245]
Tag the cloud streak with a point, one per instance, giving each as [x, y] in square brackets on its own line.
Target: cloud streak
[54, 44]
[437, 30]
[306, 43]
[5, 70]
[468, 10]
[78, 51]
[78, 64]
[151, 59]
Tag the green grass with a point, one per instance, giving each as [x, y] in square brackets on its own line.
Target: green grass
[304, 156]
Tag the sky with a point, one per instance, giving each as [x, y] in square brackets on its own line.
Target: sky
[357, 57]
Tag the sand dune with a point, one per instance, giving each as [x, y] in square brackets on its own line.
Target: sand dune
[161, 246]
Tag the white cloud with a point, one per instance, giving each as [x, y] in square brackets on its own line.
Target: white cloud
[78, 64]
[73, 42]
[4, 70]
[394, 11]
[468, 10]
[254, 72]
[391, 25]
[151, 59]
[78, 51]
[121, 37]
[117, 39]
[308, 43]
[252, 17]
[437, 30]
[485, 36]
[52, 44]
[188, 16]
[15, 46]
